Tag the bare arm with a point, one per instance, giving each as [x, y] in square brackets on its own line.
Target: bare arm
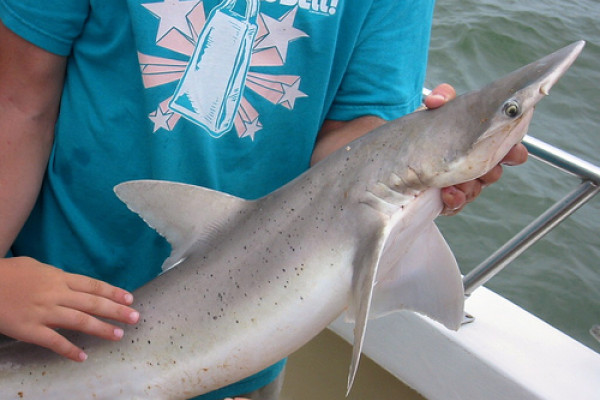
[36, 298]
[30, 86]
[336, 134]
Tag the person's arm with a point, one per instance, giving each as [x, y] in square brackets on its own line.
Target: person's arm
[30, 87]
[36, 298]
[336, 134]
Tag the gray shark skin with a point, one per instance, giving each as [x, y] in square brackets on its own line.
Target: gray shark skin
[249, 282]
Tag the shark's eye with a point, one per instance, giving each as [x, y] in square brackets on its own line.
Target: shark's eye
[511, 109]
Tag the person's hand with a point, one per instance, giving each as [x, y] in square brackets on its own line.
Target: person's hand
[456, 197]
[36, 298]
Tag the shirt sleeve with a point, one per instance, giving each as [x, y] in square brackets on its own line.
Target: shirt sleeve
[51, 25]
[386, 72]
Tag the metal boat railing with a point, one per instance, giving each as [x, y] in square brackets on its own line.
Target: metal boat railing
[561, 210]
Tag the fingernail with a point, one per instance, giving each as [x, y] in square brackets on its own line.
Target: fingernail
[449, 193]
[449, 198]
[82, 356]
[118, 332]
[453, 207]
[128, 298]
[134, 316]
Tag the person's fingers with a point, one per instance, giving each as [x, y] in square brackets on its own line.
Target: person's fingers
[517, 155]
[85, 284]
[492, 176]
[74, 320]
[39, 298]
[454, 200]
[101, 307]
[456, 197]
[440, 95]
[54, 341]
[471, 189]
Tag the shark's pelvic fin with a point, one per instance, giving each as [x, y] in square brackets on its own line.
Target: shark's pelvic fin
[365, 267]
[426, 280]
[181, 212]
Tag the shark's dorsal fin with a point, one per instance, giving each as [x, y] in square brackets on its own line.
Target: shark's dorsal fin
[179, 212]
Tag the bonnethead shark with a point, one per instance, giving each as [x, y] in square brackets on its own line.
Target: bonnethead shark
[249, 282]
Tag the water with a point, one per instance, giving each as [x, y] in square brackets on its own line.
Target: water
[475, 42]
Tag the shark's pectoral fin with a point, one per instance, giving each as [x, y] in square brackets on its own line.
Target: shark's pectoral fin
[183, 214]
[426, 279]
[366, 264]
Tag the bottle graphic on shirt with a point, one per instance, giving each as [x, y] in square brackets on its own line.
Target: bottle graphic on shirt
[210, 90]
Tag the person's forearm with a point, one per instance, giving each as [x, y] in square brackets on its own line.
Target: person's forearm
[337, 134]
[23, 159]
[31, 82]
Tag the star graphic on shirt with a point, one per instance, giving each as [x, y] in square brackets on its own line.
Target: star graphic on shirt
[281, 33]
[160, 119]
[173, 14]
[251, 128]
[290, 94]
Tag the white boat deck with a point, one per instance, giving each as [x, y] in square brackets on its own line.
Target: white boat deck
[506, 353]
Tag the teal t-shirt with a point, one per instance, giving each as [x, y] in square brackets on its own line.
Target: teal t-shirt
[224, 94]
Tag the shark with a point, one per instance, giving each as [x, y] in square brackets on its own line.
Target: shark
[249, 282]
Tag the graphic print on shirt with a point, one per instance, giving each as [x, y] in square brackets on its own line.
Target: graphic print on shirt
[223, 44]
